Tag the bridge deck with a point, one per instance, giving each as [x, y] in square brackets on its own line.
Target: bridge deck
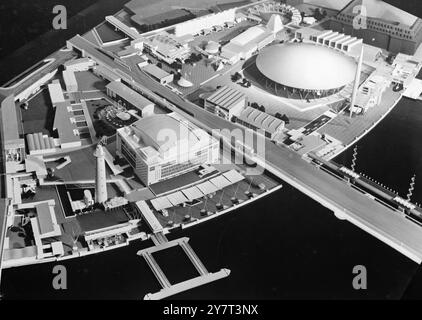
[169, 289]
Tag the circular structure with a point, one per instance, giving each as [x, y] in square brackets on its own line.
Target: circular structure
[212, 47]
[288, 12]
[304, 70]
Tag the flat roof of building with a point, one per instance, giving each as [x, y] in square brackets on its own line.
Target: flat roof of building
[177, 198]
[99, 220]
[161, 203]
[45, 221]
[153, 132]
[56, 92]
[108, 73]
[77, 61]
[155, 71]
[207, 187]
[129, 95]
[309, 31]
[62, 123]
[226, 97]
[247, 41]
[192, 193]
[233, 176]
[220, 182]
[127, 51]
[248, 35]
[69, 77]
[9, 119]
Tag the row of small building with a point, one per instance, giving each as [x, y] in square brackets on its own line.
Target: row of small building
[198, 191]
[329, 38]
[171, 47]
[14, 145]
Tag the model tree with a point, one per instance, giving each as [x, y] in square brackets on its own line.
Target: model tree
[285, 118]
[236, 77]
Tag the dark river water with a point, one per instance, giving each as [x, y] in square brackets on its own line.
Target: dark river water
[283, 246]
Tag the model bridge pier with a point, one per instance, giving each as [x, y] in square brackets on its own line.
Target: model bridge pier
[168, 289]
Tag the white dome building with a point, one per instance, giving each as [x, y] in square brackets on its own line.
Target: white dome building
[302, 70]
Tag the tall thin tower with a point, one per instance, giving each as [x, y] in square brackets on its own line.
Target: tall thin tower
[357, 82]
[100, 176]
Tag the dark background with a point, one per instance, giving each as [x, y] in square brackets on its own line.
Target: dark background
[26, 33]
[22, 21]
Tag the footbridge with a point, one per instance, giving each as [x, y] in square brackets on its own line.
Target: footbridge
[168, 289]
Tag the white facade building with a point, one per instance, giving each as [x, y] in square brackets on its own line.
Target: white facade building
[56, 92]
[165, 146]
[82, 64]
[247, 43]
[70, 81]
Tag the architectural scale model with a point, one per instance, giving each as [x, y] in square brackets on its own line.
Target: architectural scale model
[146, 125]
